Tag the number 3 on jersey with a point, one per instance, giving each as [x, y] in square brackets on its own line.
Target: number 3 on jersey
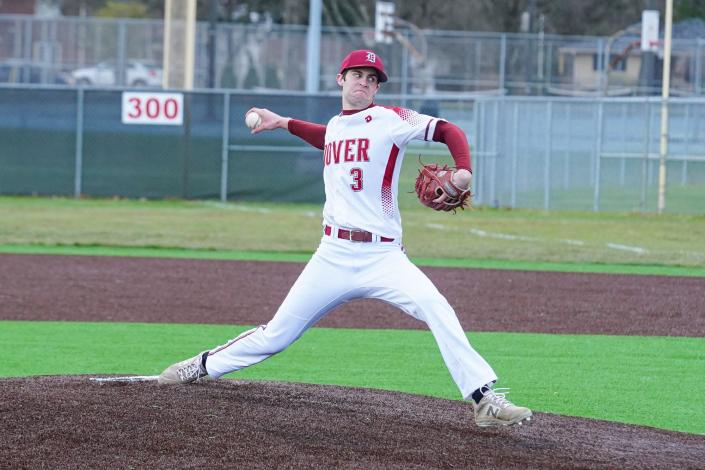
[357, 179]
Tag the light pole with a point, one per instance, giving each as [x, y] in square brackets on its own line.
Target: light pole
[313, 46]
[665, 90]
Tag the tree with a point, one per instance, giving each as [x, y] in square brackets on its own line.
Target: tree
[114, 9]
[684, 9]
[573, 17]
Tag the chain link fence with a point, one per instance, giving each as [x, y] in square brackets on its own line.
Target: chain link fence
[528, 152]
[128, 52]
[589, 154]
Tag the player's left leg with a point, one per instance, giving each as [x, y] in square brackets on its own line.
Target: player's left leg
[396, 280]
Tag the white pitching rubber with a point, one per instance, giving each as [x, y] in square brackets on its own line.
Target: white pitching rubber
[126, 379]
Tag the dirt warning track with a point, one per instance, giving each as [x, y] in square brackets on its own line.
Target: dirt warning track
[86, 288]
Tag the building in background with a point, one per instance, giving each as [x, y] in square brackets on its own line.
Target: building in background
[40, 8]
[17, 7]
[582, 64]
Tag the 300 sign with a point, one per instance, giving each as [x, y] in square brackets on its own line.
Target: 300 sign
[152, 108]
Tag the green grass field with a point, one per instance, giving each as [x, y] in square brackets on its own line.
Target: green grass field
[485, 235]
[607, 377]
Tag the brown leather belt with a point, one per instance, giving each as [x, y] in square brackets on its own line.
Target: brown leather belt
[355, 235]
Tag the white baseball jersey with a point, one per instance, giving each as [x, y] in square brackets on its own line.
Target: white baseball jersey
[362, 158]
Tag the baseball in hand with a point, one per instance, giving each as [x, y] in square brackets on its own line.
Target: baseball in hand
[253, 120]
[461, 178]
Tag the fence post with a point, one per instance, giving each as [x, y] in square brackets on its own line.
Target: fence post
[567, 156]
[625, 132]
[477, 77]
[548, 78]
[78, 171]
[404, 74]
[645, 162]
[684, 167]
[598, 152]
[498, 106]
[224, 148]
[547, 158]
[503, 62]
[515, 143]
[43, 52]
[27, 52]
[602, 77]
[698, 66]
[120, 69]
[479, 127]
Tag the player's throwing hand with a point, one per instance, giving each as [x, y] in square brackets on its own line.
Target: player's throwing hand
[268, 120]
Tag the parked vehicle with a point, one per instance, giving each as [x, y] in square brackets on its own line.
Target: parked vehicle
[105, 73]
[20, 71]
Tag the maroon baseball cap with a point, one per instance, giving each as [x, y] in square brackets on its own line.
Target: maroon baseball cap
[364, 58]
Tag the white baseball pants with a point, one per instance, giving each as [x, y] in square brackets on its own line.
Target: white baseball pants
[341, 271]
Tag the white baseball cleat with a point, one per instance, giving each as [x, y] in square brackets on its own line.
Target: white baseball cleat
[495, 410]
[184, 372]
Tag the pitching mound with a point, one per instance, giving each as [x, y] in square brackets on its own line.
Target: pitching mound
[70, 422]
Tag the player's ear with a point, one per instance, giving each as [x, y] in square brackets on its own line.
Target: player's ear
[340, 79]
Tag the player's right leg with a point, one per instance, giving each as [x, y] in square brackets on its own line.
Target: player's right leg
[398, 281]
[320, 287]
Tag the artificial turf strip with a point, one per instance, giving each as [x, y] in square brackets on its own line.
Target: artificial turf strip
[304, 257]
[654, 381]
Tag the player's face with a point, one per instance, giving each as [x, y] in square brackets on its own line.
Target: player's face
[359, 87]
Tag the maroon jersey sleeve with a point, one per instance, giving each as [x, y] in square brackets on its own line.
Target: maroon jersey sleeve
[314, 134]
[457, 143]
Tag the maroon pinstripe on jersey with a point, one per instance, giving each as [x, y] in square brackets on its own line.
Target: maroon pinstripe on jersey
[387, 196]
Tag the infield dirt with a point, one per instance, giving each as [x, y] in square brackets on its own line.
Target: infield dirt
[70, 422]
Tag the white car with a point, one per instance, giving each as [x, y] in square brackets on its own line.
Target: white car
[105, 74]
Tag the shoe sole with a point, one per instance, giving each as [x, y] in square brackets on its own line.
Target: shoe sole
[167, 381]
[498, 423]
[162, 381]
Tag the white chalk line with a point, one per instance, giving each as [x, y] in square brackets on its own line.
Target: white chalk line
[633, 249]
[237, 207]
[572, 242]
[502, 236]
[259, 210]
[506, 236]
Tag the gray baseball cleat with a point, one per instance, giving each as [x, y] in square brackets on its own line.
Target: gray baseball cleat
[495, 410]
[184, 372]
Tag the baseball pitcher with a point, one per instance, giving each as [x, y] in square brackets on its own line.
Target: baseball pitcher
[360, 254]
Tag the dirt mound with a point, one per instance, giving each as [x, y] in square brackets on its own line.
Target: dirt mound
[71, 422]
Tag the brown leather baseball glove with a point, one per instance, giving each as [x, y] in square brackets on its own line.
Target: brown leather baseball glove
[435, 189]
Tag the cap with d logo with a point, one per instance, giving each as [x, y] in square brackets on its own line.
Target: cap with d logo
[364, 58]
